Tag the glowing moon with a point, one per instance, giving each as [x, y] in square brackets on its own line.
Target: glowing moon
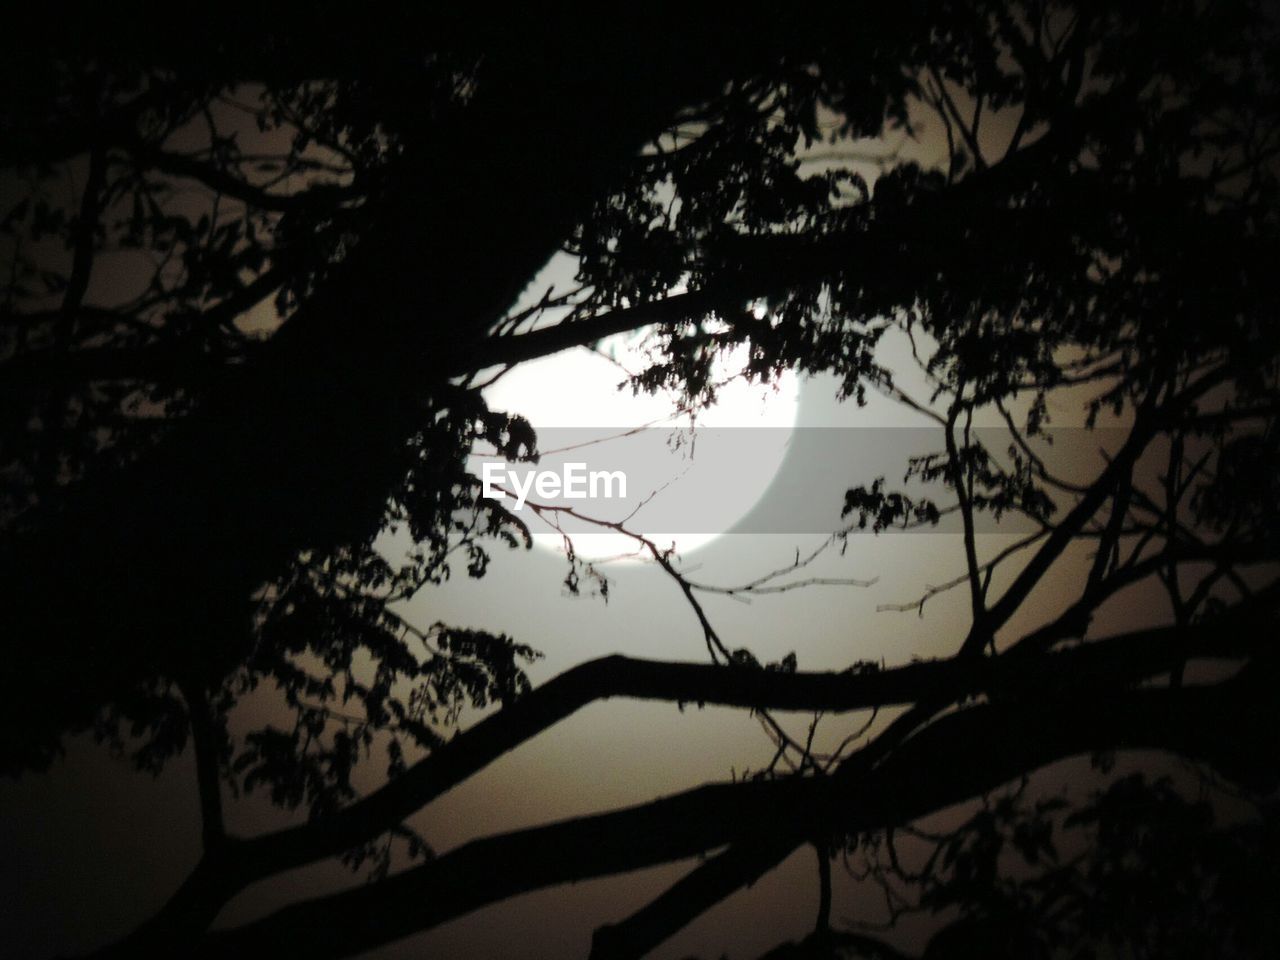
[587, 390]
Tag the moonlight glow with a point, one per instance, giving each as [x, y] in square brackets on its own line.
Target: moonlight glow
[589, 389]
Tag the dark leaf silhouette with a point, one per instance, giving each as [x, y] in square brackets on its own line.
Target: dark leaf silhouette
[258, 276]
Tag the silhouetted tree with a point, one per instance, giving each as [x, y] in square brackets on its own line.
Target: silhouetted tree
[252, 342]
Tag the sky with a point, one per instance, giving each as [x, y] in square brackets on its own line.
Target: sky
[94, 848]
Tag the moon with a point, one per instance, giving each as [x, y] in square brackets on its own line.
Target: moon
[701, 485]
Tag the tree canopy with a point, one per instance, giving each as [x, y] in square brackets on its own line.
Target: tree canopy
[258, 279]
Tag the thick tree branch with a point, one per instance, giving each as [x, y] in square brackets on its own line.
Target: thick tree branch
[960, 756]
[1111, 663]
[328, 403]
[694, 894]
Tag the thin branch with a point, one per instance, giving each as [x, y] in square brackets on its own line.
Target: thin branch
[986, 569]
[963, 485]
[1146, 425]
[84, 233]
[222, 181]
[208, 765]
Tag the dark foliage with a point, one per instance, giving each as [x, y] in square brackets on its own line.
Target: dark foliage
[254, 278]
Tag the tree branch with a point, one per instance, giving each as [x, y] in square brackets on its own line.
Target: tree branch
[1113, 662]
[1146, 426]
[694, 894]
[84, 233]
[208, 765]
[227, 183]
[979, 749]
